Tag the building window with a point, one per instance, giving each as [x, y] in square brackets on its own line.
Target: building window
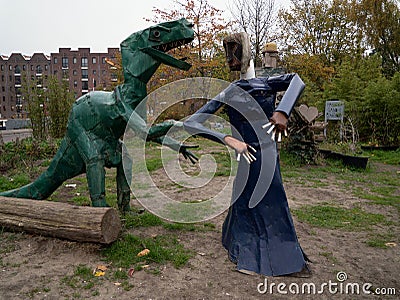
[64, 62]
[24, 67]
[3, 89]
[17, 70]
[94, 60]
[2, 67]
[85, 86]
[74, 60]
[65, 74]
[84, 62]
[55, 60]
[31, 67]
[39, 69]
[94, 72]
[18, 80]
[103, 60]
[75, 83]
[74, 72]
[46, 67]
[2, 77]
[85, 74]
[10, 67]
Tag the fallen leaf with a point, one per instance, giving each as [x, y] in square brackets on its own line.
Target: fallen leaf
[99, 273]
[131, 271]
[101, 268]
[390, 244]
[143, 252]
[117, 283]
[145, 266]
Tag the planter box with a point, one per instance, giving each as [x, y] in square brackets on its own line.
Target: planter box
[348, 160]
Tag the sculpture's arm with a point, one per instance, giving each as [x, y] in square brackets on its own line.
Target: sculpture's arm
[293, 85]
[194, 124]
[136, 123]
[157, 132]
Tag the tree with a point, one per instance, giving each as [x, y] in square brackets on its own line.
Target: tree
[320, 27]
[59, 103]
[380, 20]
[255, 17]
[205, 53]
[33, 94]
[48, 107]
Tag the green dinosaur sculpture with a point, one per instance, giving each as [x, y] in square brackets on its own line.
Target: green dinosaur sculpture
[98, 120]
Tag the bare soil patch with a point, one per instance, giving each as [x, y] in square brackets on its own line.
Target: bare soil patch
[33, 267]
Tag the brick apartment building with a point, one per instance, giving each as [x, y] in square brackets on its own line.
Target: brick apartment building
[85, 71]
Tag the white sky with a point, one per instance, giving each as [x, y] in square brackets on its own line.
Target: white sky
[29, 26]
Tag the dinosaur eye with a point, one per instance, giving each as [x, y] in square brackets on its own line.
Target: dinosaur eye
[156, 33]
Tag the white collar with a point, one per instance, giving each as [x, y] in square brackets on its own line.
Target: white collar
[250, 73]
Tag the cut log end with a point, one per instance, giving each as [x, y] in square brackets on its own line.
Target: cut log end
[110, 222]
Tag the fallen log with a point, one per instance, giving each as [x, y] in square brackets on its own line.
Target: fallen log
[61, 220]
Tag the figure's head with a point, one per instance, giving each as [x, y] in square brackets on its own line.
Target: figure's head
[237, 51]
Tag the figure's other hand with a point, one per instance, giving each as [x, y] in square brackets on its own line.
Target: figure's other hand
[280, 120]
[188, 154]
[241, 148]
[277, 124]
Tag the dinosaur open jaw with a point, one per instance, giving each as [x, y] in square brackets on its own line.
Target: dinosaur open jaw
[172, 45]
[158, 53]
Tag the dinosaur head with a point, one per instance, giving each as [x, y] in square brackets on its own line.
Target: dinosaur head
[166, 36]
[142, 52]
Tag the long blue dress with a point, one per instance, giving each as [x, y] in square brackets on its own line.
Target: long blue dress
[258, 231]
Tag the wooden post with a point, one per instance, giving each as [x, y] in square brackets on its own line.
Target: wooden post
[62, 220]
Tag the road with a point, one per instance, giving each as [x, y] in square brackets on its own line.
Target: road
[13, 135]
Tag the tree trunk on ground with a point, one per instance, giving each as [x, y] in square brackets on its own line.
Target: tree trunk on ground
[61, 220]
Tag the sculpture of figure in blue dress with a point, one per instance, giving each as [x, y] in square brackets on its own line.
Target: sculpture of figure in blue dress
[258, 231]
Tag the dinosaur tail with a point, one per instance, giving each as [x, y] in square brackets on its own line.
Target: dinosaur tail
[65, 164]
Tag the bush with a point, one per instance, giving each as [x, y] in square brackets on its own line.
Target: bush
[382, 119]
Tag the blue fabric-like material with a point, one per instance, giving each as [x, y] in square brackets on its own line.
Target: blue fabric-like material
[258, 231]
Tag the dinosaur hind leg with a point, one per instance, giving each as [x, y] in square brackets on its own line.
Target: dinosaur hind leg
[66, 164]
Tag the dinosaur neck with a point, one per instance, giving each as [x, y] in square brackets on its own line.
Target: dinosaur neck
[137, 74]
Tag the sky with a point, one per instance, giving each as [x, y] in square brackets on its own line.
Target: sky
[31, 26]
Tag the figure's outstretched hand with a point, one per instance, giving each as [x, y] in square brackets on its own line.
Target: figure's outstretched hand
[241, 148]
[276, 125]
[188, 154]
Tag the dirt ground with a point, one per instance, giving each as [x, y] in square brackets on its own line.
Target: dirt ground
[32, 267]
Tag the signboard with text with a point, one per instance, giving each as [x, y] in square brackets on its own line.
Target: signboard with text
[334, 110]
